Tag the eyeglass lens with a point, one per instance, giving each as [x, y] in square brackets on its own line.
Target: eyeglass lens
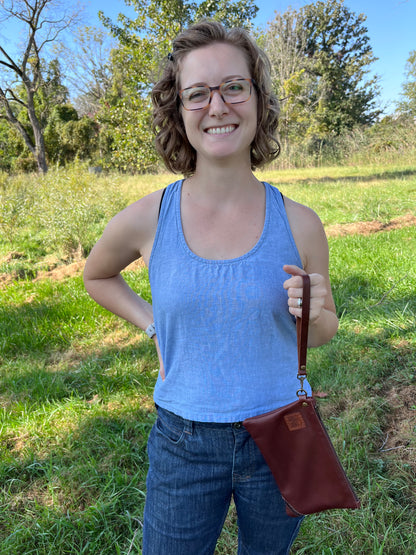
[233, 92]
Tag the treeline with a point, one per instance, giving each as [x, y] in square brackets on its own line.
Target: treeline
[100, 112]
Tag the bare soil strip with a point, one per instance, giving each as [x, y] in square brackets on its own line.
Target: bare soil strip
[368, 228]
[62, 271]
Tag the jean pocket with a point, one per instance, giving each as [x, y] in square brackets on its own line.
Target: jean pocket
[174, 432]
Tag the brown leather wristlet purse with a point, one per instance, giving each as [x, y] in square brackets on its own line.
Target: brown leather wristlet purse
[296, 445]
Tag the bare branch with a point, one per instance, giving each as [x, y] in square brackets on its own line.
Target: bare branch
[13, 97]
[11, 63]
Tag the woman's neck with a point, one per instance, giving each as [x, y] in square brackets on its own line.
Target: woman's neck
[222, 181]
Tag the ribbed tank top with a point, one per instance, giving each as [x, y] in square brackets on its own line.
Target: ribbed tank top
[227, 339]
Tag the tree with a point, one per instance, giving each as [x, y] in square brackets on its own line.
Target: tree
[143, 43]
[67, 136]
[321, 57]
[26, 83]
[285, 43]
[11, 146]
[88, 71]
[408, 103]
[340, 54]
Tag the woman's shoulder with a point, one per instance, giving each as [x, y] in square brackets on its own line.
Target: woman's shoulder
[134, 228]
[142, 213]
[307, 229]
[302, 216]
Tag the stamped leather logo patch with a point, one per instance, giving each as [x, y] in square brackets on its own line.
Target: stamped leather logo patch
[294, 421]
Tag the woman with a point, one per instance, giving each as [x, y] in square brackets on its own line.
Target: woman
[225, 254]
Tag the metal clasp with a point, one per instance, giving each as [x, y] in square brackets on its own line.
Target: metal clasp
[301, 392]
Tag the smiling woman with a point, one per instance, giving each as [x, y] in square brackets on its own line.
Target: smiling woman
[219, 250]
[171, 140]
[218, 113]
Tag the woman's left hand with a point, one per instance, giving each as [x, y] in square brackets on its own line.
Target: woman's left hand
[294, 287]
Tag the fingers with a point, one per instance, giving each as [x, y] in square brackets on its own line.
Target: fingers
[294, 288]
[293, 270]
[162, 372]
[295, 282]
[161, 367]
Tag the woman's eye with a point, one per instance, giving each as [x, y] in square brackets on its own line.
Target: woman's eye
[233, 87]
[198, 95]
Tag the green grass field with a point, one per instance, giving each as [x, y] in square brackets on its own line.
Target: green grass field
[76, 382]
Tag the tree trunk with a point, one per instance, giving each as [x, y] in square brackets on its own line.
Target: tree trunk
[40, 151]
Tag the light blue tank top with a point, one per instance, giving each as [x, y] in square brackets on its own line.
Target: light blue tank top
[227, 340]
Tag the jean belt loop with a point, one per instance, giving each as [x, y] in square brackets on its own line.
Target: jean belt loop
[188, 426]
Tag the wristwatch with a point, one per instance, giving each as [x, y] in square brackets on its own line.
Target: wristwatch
[150, 330]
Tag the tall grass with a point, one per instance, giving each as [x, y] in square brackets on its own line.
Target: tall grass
[58, 213]
[76, 382]
[391, 140]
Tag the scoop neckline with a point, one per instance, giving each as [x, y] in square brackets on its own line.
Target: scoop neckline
[249, 253]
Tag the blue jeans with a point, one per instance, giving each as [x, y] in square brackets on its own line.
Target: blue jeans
[195, 469]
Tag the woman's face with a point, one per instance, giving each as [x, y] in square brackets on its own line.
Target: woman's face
[221, 130]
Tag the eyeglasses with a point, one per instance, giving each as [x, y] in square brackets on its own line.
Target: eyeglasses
[234, 91]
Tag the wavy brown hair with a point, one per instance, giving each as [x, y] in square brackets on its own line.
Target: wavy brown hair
[171, 140]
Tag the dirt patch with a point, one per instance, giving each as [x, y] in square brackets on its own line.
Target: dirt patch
[400, 437]
[368, 228]
[75, 268]
[56, 272]
[12, 255]
[61, 272]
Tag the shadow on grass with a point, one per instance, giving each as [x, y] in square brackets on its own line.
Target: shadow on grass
[36, 340]
[50, 348]
[375, 340]
[74, 428]
[90, 377]
[86, 491]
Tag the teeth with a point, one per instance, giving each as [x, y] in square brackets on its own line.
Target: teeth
[221, 130]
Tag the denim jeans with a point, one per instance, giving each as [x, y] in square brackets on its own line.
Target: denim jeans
[195, 470]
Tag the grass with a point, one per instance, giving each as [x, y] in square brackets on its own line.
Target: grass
[76, 382]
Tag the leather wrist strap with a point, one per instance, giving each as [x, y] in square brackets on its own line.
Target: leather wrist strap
[302, 325]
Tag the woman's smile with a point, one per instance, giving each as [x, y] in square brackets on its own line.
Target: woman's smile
[224, 130]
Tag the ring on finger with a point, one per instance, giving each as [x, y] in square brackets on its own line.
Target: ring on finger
[299, 302]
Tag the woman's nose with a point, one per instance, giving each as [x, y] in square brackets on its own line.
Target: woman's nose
[217, 105]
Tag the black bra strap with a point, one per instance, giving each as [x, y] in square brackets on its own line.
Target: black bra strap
[161, 199]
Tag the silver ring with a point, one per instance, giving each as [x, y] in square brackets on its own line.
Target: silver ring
[299, 302]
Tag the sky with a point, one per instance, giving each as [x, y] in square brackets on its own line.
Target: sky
[390, 24]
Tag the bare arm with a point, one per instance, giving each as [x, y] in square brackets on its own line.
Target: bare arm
[128, 236]
[312, 244]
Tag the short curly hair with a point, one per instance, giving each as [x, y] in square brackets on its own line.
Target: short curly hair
[171, 141]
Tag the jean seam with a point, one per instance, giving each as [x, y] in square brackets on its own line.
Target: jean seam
[180, 433]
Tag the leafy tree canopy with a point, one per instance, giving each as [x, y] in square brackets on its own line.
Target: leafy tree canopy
[321, 56]
[143, 42]
[408, 102]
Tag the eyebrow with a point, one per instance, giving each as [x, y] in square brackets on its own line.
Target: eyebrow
[227, 78]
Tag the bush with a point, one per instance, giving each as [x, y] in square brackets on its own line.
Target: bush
[62, 211]
[392, 138]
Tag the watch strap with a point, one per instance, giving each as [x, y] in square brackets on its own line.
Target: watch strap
[150, 330]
